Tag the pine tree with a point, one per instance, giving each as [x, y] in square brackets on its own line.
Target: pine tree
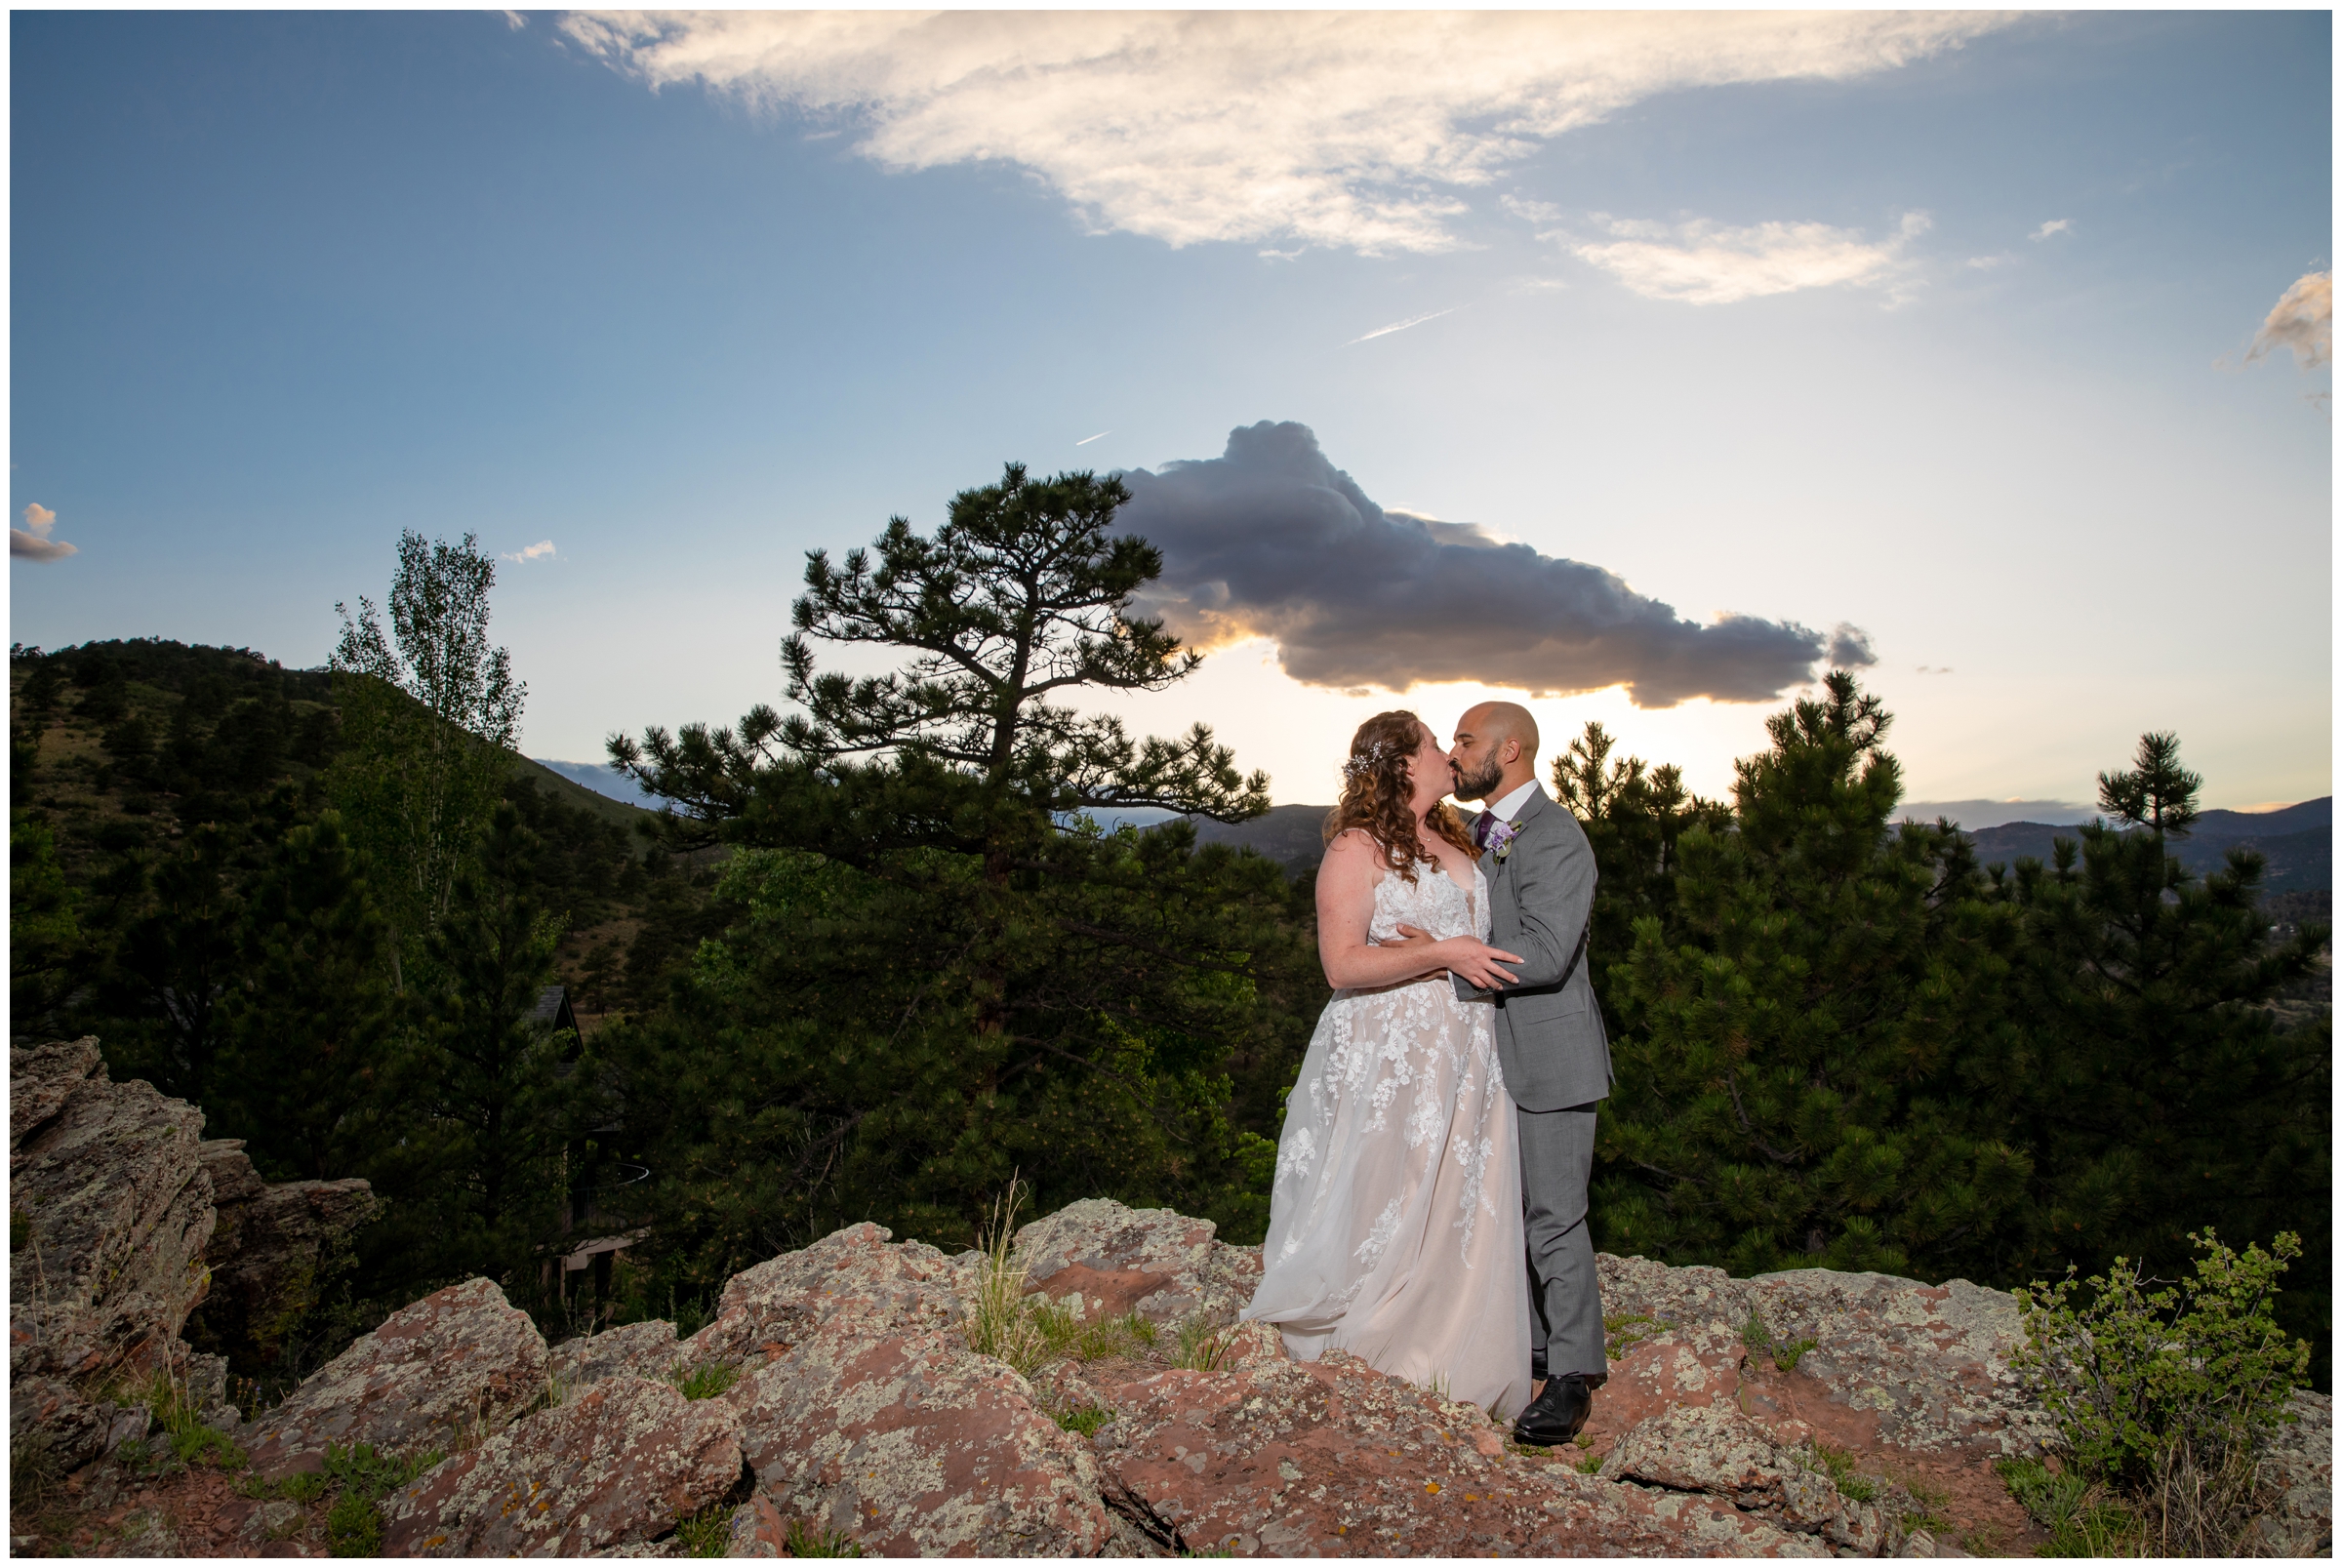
[488, 1075]
[310, 1019]
[1788, 1091]
[2152, 1086]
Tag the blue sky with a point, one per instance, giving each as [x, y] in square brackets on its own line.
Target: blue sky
[1941, 329]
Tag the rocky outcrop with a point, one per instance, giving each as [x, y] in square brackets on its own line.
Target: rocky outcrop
[616, 1465]
[636, 1349]
[914, 1446]
[443, 1373]
[1794, 1414]
[1863, 1358]
[265, 1251]
[2298, 1471]
[1716, 1449]
[1098, 1257]
[766, 1311]
[1333, 1459]
[109, 1215]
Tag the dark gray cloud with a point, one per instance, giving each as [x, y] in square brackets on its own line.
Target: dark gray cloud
[1272, 540]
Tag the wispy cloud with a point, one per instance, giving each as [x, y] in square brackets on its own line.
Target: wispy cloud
[1706, 263]
[542, 550]
[1087, 439]
[32, 542]
[2302, 320]
[1270, 540]
[1350, 128]
[1402, 326]
[2055, 225]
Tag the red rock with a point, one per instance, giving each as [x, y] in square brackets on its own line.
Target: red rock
[460, 1362]
[618, 1464]
[635, 1349]
[112, 1261]
[1155, 1262]
[911, 1445]
[767, 1310]
[264, 1251]
[1693, 1366]
[1716, 1449]
[1334, 1458]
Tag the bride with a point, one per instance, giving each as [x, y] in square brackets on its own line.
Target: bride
[1395, 1229]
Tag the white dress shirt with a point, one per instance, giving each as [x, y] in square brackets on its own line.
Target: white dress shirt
[1507, 809]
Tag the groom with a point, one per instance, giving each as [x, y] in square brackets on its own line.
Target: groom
[1551, 1042]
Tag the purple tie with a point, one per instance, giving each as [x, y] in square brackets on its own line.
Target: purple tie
[1481, 828]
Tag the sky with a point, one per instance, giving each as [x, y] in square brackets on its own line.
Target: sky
[1636, 365]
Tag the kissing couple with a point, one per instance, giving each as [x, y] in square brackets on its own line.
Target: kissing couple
[1429, 1212]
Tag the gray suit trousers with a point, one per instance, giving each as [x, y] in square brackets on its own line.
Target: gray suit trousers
[1565, 1304]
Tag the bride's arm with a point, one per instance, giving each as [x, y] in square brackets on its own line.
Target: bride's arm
[1346, 883]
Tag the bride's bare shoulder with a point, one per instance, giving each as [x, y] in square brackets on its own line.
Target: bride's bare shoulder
[1355, 847]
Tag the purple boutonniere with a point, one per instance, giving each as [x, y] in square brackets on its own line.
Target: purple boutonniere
[1500, 839]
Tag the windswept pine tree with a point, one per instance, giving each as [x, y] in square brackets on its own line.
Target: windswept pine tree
[940, 971]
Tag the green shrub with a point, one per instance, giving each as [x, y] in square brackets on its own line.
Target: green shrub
[1849, 1481]
[2138, 1373]
[353, 1526]
[2167, 1395]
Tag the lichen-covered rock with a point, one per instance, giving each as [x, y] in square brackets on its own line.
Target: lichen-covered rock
[46, 1417]
[1334, 1458]
[2299, 1470]
[617, 1464]
[636, 1350]
[856, 1273]
[1713, 1448]
[912, 1445]
[109, 1215]
[1922, 1368]
[1689, 1366]
[1108, 1258]
[265, 1251]
[459, 1363]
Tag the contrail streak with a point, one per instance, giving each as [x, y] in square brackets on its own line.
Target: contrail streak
[1402, 326]
[1087, 439]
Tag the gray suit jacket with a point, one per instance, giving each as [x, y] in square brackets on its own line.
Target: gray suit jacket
[1548, 1031]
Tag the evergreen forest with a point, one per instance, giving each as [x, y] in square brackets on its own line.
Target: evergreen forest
[881, 954]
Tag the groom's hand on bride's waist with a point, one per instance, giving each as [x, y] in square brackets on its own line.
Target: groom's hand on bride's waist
[1474, 960]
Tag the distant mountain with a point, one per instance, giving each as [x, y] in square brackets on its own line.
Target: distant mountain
[603, 779]
[2296, 841]
[1291, 835]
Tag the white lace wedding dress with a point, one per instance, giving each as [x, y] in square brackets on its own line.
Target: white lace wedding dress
[1395, 1230]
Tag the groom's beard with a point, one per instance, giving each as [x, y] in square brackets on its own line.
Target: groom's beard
[1481, 786]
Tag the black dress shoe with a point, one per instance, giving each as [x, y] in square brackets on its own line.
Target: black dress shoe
[1556, 1416]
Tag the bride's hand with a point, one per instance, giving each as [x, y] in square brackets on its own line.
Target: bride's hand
[1467, 957]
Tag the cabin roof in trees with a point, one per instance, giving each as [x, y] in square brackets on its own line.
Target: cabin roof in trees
[553, 1009]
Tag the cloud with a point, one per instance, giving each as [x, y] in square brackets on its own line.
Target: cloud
[1270, 540]
[2303, 320]
[1706, 263]
[2055, 225]
[542, 550]
[32, 542]
[1348, 129]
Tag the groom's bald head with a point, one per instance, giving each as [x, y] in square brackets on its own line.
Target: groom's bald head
[1495, 751]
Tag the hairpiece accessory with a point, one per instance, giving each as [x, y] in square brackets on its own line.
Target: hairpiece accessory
[1359, 766]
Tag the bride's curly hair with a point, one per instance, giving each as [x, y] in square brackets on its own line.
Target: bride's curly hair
[1377, 783]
